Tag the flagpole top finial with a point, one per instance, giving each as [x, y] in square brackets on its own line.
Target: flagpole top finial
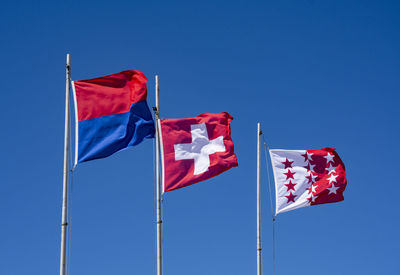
[68, 61]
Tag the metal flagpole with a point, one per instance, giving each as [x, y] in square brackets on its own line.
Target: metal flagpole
[158, 184]
[64, 223]
[258, 201]
[272, 208]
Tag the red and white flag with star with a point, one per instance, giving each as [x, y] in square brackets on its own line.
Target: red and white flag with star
[307, 177]
[195, 149]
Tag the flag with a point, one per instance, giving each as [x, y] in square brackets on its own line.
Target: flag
[195, 149]
[111, 114]
[307, 177]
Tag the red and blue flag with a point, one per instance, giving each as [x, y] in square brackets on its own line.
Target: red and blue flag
[111, 113]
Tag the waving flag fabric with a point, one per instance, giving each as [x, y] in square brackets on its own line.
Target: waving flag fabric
[111, 113]
[196, 149]
[307, 177]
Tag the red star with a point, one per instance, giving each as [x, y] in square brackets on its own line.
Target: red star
[287, 163]
[305, 156]
[289, 174]
[290, 197]
[290, 185]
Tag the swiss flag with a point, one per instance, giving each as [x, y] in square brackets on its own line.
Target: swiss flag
[195, 149]
[307, 177]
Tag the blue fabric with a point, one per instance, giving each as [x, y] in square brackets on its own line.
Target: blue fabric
[103, 136]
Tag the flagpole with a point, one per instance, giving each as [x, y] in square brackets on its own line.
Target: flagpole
[258, 201]
[64, 223]
[158, 184]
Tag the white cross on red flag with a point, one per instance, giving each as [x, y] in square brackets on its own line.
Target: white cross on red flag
[307, 177]
[195, 149]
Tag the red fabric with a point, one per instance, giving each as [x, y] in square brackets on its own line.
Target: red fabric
[180, 173]
[109, 95]
[322, 193]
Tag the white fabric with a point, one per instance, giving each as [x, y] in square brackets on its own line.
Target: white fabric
[200, 149]
[281, 191]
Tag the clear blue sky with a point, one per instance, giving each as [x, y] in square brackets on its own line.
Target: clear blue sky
[314, 73]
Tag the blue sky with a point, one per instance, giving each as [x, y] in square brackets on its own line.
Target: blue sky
[314, 73]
